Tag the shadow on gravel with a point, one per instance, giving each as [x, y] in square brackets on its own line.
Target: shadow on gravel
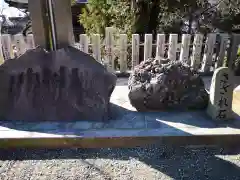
[178, 163]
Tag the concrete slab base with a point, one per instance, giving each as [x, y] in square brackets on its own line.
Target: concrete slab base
[127, 128]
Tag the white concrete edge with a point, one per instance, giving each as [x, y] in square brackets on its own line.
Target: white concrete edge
[14, 134]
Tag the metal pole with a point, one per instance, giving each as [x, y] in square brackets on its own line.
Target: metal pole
[52, 25]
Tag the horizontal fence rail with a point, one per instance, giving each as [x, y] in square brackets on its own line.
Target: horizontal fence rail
[119, 53]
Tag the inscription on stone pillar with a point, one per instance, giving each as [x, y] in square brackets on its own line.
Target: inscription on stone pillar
[221, 95]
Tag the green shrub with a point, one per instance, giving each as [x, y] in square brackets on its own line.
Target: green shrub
[98, 14]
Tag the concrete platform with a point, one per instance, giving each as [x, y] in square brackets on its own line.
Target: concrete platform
[127, 128]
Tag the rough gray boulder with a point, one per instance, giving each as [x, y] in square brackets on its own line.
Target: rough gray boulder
[163, 85]
[66, 84]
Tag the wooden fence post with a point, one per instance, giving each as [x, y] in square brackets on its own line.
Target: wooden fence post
[160, 49]
[147, 46]
[197, 49]
[123, 53]
[83, 43]
[172, 48]
[135, 50]
[232, 51]
[30, 41]
[1, 52]
[222, 50]
[96, 47]
[208, 52]
[7, 47]
[184, 54]
[109, 44]
[20, 44]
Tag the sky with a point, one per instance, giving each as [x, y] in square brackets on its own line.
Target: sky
[9, 11]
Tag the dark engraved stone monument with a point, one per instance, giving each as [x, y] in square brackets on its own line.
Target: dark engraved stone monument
[163, 85]
[66, 84]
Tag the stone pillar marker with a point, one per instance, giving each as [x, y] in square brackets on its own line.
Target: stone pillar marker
[221, 95]
[40, 22]
[63, 23]
[52, 23]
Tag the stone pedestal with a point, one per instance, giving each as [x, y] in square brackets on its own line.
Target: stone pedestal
[221, 95]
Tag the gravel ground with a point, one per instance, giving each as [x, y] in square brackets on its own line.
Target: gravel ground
[149, 163]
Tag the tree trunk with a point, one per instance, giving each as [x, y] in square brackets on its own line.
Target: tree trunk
[190, 21]
[141, 18]
[154, 13]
